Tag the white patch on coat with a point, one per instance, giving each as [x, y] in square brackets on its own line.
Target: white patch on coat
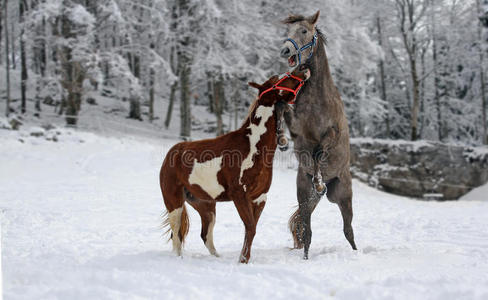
[209, 238]
[205, 175]
[260, 199]
[263, 112]
[174, 218]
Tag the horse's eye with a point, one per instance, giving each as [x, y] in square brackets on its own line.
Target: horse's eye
[304, 31]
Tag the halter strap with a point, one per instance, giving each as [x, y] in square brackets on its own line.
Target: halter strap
[305, 47]
[282, 88]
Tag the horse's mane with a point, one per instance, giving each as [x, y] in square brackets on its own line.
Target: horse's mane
[293, 19]
[251, 108]
[321, 35]
[299, 18]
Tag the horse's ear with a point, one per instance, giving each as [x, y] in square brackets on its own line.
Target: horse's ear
[254, 85]
[314, 18]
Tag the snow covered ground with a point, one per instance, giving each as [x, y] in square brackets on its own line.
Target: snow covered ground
[81, 220]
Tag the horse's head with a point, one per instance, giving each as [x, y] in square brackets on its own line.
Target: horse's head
[284, 89]
[302, 38]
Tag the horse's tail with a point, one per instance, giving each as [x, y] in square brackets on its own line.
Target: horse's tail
[177, 222]
[185, 224]
[294, 224]
[176, 216]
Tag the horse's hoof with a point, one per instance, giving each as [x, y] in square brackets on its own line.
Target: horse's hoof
[283, 143]
[320, 188]
[305, 256]
[243, 260]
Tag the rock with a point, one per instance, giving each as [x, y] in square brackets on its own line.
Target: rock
[48, 126]
[36, 131]
[107, 92]
[427, 170]
[91, 101]
[15, 123]
[48, 100]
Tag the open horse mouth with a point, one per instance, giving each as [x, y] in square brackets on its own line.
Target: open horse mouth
[292, 60]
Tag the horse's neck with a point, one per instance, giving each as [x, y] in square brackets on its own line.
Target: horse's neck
[320, 66]
[261, 121]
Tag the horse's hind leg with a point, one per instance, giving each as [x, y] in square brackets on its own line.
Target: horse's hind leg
[340, 192]
[206, 210]
[307, 201]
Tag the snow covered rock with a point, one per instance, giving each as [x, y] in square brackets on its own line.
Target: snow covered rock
[427, 170]
[12, 123]
[36, 131]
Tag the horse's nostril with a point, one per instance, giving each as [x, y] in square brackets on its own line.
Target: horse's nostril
[285, 52]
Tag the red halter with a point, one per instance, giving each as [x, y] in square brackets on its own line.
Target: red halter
[282, 88]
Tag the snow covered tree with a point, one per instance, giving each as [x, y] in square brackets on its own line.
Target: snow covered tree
[483, 15]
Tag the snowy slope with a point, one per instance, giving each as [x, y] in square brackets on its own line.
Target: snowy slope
[80, 220]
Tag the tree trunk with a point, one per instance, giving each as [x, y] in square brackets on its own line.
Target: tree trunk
[407, 10]
[172, 97]
[210, 92]
[437, 80]
[422, 92]
[219, 103]
[185, 109]
[72, 108]
[73, 74]
[1, 31]
[75, 93]
[151, 94]
[135, 108]
[383, 79]
[44, 51]
[235, 100]
[24, 76]
[7, 62]
[173, 60]
[482, 78]
[184, 69]
[416, 99]
[12, 44]
[37, 105]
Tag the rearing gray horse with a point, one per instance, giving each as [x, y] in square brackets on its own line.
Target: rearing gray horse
[319, 129]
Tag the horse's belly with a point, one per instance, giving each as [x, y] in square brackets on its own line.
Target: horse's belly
[204, 175]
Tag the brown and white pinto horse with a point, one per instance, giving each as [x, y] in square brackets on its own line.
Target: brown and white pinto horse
[234, 167]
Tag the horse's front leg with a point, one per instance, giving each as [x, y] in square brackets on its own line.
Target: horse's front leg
[319, 159]
[282, 108]
[246, 212]
[282, 140]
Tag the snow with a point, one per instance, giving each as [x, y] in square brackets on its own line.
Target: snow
[80, 218]
[477, 194]
[81, 16]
